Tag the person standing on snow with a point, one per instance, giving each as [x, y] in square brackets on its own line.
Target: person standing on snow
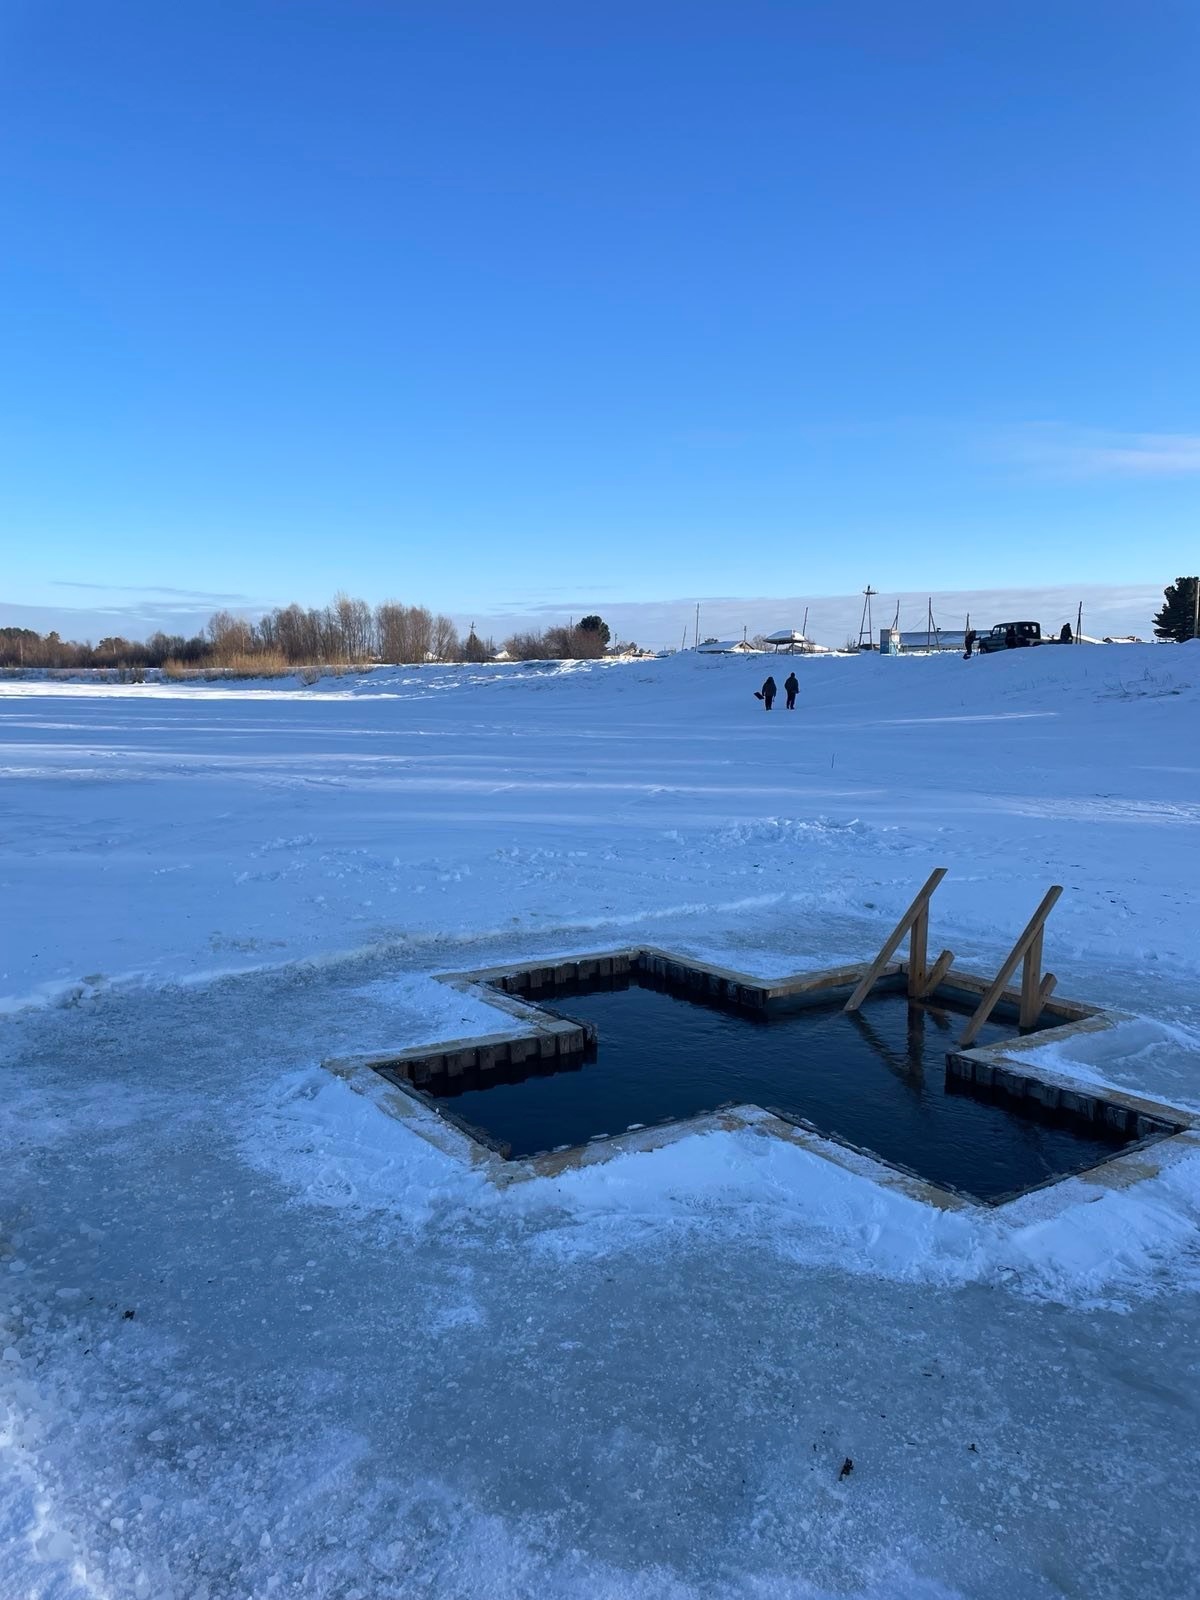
[767, 693]
[791, 688]
[969, 641]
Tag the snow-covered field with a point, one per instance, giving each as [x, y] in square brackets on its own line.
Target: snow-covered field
[257, 1338]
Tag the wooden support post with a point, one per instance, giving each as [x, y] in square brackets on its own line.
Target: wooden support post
[918, 946]
[936, 973]
[919, 908]
[1033, 991]
[1031, 982]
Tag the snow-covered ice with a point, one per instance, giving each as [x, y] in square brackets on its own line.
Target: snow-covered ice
[257, 1337]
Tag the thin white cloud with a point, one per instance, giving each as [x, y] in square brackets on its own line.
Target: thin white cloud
[198, 596]
[97, 622]
[1053, 450]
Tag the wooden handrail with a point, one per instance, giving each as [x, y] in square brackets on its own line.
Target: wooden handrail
[916, 918]
[1035, 990]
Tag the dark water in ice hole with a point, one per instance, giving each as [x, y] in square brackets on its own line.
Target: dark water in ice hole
[876, 1079]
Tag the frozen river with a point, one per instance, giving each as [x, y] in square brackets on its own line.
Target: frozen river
[257, 1338]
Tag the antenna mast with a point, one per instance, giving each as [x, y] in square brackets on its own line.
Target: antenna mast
[866, 628]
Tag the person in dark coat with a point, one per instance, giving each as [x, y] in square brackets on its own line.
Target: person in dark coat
[969, 641]
[791, 688]
[1010, 637]
[767, 693]
[1066, 636]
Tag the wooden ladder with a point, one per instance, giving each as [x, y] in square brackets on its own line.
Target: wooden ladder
[922, 981]
[1035, 989]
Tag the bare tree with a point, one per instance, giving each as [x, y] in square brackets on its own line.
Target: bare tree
[587, 644]
[230, 636]
[405, 633]
[527, 647]
[572, 644]
[444, 645]
[293, 634]
[420, 633]
[389, 630]
[355, 628]
[557, 644]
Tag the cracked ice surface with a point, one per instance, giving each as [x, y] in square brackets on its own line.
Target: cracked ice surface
[353, 1368]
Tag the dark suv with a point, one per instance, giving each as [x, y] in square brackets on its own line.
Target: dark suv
[1008, 636]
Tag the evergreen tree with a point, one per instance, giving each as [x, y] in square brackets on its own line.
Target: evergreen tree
[1177, 619]
[598, 625]
[474, 648]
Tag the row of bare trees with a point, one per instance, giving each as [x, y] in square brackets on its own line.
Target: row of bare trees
[347, 632]
[582, 641]
[22, 647]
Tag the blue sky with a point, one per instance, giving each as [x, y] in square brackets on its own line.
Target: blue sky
[502, 307]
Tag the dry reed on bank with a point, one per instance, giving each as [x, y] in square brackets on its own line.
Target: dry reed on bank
[250, 664]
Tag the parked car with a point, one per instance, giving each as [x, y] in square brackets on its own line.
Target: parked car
[1009, 636]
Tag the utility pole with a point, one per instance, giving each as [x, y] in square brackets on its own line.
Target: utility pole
[697, 640]
[1196, 608]
[1079, 623]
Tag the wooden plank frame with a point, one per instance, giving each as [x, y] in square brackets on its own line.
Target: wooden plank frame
[386, 1079]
